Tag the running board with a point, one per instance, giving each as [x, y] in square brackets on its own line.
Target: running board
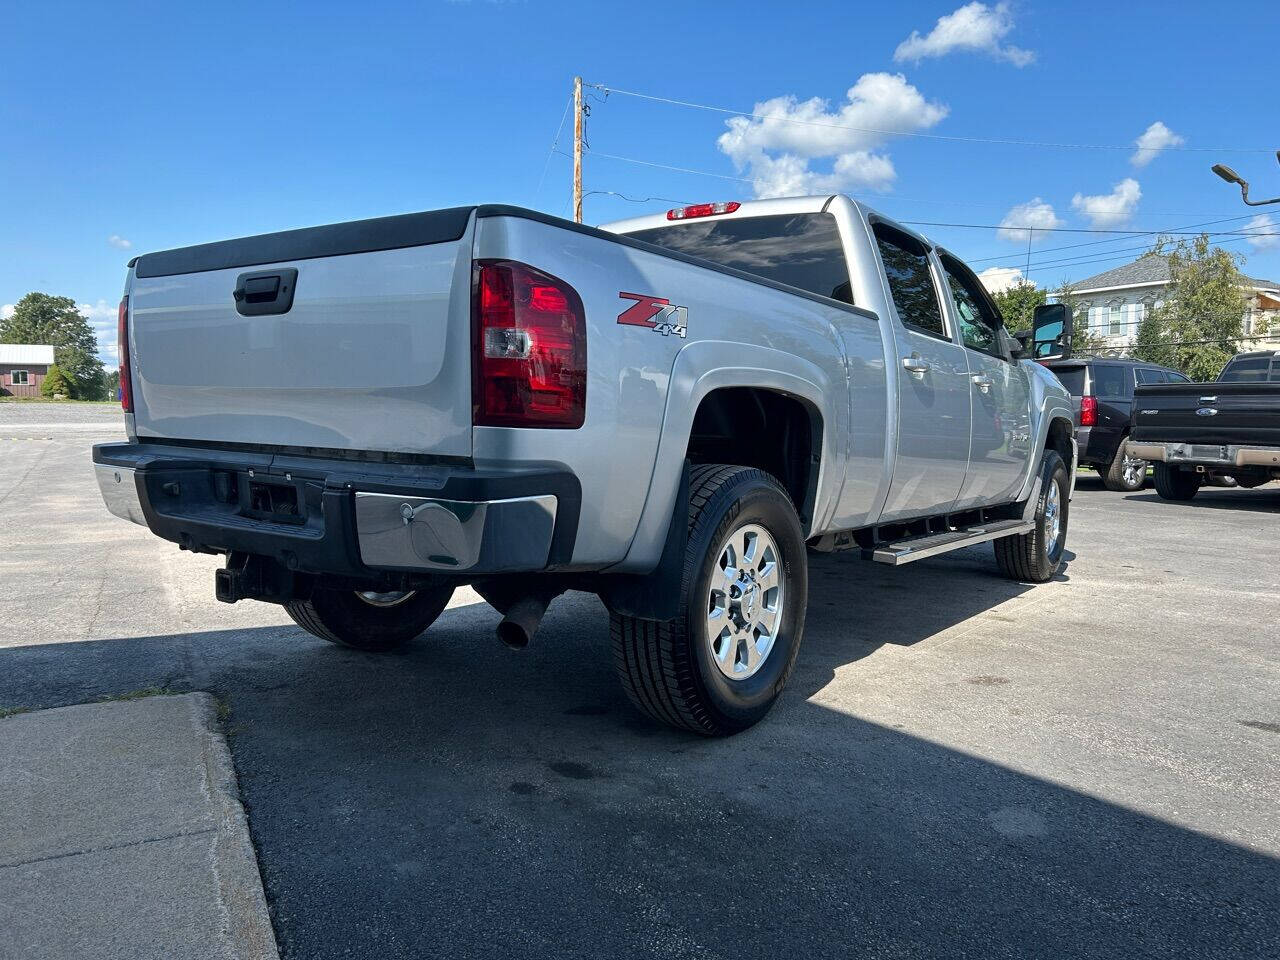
[917, 548]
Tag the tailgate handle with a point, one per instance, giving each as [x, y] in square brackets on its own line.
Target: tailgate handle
[265, 292]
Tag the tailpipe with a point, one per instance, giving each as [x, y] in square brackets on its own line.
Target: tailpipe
[520, 621]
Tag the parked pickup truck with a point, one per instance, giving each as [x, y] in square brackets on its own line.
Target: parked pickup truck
[664, 412]
[1196, 432]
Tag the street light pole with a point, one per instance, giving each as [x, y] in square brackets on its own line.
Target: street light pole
[1229, 175]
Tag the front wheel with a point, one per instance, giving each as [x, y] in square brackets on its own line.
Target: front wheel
[366, 620]
[1036, 556]
[719, 666]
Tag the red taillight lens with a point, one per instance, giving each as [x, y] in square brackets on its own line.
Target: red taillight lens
[702, 210]
[1088, 411]
[122, 347]
[529, 348]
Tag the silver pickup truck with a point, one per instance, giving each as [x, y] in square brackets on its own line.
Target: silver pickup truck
[667, 412]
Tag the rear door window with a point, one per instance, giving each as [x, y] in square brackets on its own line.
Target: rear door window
[906, 265]
[1246, 370]
[801, 250]
[1072, 378]
[1109, 381]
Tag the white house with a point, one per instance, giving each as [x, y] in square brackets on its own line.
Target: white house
[1113, 303]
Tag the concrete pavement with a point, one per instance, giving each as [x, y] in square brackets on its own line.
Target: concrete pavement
[123, 836]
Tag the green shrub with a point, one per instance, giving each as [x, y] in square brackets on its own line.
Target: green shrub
[55, 382]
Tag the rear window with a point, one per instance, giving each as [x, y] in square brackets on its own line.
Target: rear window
[1072, 378]
[802, 250]
[1246, 370]
[1111, 381]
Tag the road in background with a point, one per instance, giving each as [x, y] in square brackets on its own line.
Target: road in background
[961, 765]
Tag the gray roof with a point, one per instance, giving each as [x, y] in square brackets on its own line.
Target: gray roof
[1149, 268]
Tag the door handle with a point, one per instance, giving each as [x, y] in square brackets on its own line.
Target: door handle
[915, 366]
[265, 292]
[982, 382]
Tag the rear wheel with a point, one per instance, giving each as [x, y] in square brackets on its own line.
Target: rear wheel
[367, 620]
[720, 665]
[1126, 472]
[1036, 556]
[1175, 484]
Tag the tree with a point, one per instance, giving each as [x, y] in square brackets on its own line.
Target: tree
[55, 383]
[1018, 304]
[111, 385]
[41, 318]
[1200, 324]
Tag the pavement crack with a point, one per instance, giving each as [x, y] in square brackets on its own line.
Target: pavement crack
[110, 846]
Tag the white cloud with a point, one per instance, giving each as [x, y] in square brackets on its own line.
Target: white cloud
[6, 311]
[975, 27]
[104, 318]
[1034, 213]
[778, 147]
[997, 279]
[1155, 138]
[118, 241]
[1265, 224]
[1110, 209]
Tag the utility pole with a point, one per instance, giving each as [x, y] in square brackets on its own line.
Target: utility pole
[577, 149]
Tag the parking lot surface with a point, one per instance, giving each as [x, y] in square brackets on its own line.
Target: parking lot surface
[961, 766]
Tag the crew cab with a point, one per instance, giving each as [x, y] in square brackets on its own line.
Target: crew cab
[1198, 432]
[668, 412]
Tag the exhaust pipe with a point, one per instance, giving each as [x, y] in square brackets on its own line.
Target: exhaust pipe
[521, 619]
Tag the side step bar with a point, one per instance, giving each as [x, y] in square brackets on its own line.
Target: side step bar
[917, 548]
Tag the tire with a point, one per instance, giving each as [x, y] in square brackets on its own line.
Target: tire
[359, 621]
[683, 672]
[1036, 556]
[1125, 474]
[1175, 484]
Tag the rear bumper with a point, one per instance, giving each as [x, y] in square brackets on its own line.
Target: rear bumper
[350, 518]
[1218, 455]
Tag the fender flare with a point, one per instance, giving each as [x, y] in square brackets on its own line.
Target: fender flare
[699, 369]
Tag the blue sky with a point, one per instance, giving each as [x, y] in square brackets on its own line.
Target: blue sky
[135, 127]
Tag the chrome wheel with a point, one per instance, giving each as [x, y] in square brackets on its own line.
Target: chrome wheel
[744, 602]
[390, 598]
[1135, 471]
[1052, 518]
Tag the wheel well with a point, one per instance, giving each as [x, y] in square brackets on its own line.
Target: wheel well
[771, 431]
[1059, 439]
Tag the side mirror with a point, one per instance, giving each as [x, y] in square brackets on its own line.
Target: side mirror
[1051, 332]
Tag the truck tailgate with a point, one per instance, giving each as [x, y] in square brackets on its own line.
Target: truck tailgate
[372, 353]
[1242, 413]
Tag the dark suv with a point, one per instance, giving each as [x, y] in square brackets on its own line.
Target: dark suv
[1103, 393]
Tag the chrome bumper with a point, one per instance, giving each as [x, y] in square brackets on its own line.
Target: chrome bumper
[1225, 455]
[418, 533]
[119, 488]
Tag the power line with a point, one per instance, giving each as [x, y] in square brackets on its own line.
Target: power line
[1006, 141]
[1151, 233]
[623, 196]
[554, 143]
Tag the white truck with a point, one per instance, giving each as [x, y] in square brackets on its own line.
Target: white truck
[667, 412]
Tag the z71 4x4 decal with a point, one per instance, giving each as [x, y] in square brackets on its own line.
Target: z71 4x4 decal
[656, 313]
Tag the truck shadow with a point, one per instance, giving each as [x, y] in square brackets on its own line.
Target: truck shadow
[1265, 499]
[459, 799]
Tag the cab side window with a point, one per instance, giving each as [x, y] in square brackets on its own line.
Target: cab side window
[906, 265]
[978, 321]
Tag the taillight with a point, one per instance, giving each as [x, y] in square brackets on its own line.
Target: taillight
[702, 210]
[1088, 411]
[122, 347]
[529, 348]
